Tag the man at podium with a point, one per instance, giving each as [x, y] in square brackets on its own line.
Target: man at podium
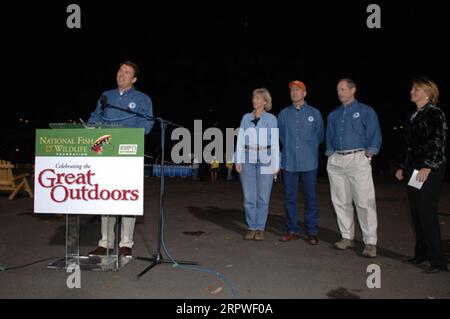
[122, 106]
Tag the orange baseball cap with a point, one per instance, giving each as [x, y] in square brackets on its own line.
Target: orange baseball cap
[297, 83]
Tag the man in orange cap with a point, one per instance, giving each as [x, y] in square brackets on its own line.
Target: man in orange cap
[301, 132]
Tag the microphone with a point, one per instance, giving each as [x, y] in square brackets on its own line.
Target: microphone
[103, 102]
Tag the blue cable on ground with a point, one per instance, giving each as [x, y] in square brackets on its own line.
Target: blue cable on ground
[221, 277]
[175, 264]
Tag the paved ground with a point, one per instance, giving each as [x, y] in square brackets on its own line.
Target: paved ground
[205, 222]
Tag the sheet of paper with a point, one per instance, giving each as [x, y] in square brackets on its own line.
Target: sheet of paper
[413, 182]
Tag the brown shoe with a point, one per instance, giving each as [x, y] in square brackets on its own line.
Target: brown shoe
[312, 240]
[125, 251]
[99, 251]
[259, 235]
[250, 235]
[289, 237]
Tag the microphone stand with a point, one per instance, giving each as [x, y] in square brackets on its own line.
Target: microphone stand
[157, 257]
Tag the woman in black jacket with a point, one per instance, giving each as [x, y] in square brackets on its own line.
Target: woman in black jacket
[425, 139]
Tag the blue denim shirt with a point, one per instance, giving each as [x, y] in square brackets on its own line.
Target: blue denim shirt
[301, 132]
[131, 99]
[352, 127]
[265, 133]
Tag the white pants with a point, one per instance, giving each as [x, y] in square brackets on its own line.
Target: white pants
[127, 231]
[351, 181]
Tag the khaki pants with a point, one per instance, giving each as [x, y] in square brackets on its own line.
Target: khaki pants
[351, 181]
[127, 232]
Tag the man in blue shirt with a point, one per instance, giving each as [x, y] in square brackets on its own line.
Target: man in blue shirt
[125, 97]
[301, 132]
[353, 138]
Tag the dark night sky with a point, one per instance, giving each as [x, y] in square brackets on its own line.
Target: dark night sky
[201, 60]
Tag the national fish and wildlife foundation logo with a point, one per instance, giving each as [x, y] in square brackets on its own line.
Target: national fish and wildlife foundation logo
[74, 143]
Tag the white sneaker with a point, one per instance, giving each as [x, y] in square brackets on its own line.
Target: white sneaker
[370, 251]
[343, 244]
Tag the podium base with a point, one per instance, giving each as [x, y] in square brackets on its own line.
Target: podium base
[95, 263]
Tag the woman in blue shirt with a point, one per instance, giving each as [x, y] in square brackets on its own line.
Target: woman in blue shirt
[257, 160]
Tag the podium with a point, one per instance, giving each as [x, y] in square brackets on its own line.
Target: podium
[83, 169]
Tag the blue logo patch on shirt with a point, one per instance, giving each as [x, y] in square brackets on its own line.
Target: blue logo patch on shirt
[132, 105]
[311, 119]
[356, 115]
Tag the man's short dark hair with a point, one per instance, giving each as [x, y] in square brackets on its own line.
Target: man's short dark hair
[133, 65]
[351, 84]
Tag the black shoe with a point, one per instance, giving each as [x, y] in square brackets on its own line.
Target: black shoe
[435, 269]
[413, 261]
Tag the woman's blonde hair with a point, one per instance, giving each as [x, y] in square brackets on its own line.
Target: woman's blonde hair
[267, 97]
[429, 87]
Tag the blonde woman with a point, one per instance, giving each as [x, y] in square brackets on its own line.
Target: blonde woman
[425, 152]
[257, 160]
